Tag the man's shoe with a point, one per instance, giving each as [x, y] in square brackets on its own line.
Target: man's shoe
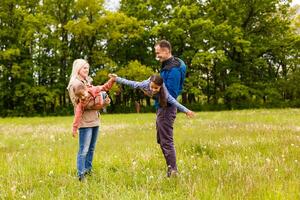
[172, 173]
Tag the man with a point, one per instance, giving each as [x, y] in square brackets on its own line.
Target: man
[173, 73]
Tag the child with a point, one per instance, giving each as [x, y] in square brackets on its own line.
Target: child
[154, 87]
[85, 94]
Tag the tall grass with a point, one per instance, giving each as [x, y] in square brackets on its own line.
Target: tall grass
[253, 154]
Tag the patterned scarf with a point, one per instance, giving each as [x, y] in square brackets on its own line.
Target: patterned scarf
[170, 63]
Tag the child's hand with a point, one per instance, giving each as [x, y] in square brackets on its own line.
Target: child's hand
[190, 114]
[74, 134]
[113, 76]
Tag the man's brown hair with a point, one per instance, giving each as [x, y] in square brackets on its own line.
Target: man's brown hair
[164, 44]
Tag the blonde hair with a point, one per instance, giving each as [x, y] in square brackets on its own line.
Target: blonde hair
[77, 65]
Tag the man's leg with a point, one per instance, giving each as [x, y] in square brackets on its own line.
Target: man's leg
[164, 124]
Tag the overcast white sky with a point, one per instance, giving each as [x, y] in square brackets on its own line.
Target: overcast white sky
[296, 2]
[114, 4]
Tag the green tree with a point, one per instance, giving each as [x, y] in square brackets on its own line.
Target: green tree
[137, 72]
[15, 56]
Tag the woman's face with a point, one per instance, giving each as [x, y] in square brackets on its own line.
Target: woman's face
[154, 88]
[84, 71]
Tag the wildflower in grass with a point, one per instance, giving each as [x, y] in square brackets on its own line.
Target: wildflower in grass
[235, 142]
[296, 161]
[268, 160]
[52, 138]
[134, 163]
[216, 162]
[292, 145]
[276, 170]
[13, 188]
[10, 158]
[194, 167]
[51, 173]
[23, 197]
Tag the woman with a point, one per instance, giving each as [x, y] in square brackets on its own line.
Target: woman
[154, 87]
[89, 123]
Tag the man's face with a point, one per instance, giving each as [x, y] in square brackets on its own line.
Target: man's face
[162, 54]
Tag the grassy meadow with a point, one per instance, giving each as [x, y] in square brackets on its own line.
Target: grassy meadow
[250, 154]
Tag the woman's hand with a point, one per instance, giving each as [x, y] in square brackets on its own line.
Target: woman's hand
[74, 134]
[107, 101]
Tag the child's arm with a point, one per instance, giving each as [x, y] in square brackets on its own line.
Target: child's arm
[180, 107]
[78, 113]
[106, 86]
[134, 84]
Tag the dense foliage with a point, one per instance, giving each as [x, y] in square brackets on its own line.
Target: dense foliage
[239, 53]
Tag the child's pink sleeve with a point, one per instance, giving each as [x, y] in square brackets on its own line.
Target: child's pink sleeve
[106, 86]
[78, 113]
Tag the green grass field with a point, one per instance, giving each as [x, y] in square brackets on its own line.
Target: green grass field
[253, 154]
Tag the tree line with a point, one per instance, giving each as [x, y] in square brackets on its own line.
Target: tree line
[239, 53]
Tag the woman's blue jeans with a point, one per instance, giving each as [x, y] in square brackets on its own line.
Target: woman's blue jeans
[87, 142]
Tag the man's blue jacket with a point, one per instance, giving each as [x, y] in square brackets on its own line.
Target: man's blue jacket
[173, 73]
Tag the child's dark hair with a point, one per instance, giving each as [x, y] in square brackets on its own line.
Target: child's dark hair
[158, 80]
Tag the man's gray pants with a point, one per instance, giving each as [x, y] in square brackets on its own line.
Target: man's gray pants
[165, 118]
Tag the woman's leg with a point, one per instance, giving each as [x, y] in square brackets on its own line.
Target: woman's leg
[164, 125]
[90, 154]
[85, 135]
